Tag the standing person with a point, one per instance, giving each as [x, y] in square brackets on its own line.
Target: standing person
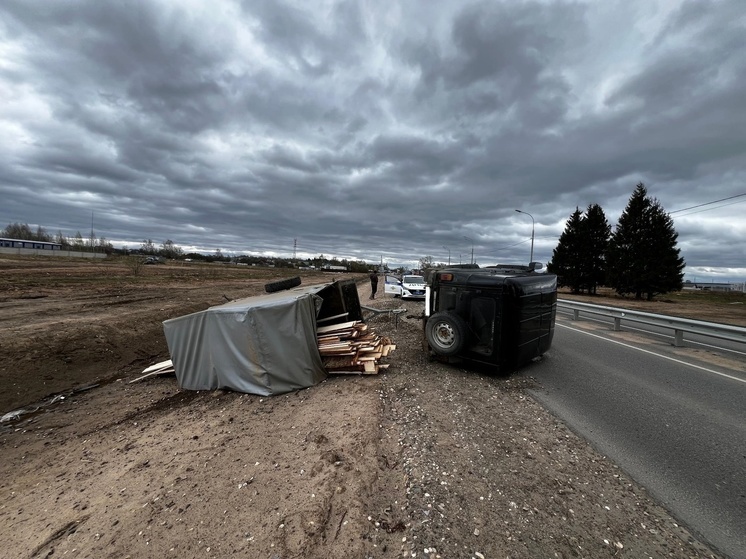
[373, 283]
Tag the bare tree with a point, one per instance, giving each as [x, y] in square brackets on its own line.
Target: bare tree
[147, 247]
[426, 262]
[135, 264]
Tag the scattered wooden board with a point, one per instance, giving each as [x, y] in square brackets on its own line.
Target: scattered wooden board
[159, 369]
[352, 348]
[157, 366]
[335, 327]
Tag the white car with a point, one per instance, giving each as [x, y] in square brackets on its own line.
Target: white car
[408, 287]
[412, 287]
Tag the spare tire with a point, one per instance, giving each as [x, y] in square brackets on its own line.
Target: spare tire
[446, 333]
[281, 285]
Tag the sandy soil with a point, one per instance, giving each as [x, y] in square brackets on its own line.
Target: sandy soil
[424, 460]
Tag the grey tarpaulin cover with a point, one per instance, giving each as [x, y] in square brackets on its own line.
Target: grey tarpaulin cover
[261, 345]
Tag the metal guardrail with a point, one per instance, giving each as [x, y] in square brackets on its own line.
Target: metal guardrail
[680, 326]
[373, 312]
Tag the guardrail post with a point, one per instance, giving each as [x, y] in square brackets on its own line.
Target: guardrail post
[678, 339]
[575, 314]
[617, 324]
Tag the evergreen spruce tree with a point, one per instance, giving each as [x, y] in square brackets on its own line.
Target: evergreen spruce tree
[643, 257]
[666, 269]
[594, 241]
[567, 256]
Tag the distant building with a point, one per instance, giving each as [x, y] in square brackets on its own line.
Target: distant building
[713, 286]
[20, 243]
[42, 248]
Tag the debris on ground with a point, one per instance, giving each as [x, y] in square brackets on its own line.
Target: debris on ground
[158, 370]
[263, 344]
[353, 348]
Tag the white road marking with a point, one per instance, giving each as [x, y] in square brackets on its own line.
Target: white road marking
[654, 353]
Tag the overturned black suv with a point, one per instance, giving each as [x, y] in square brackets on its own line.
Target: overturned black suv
[502, 316]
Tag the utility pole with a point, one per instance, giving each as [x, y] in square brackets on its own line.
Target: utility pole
[92, 248]
[531, 259]
[472, 247]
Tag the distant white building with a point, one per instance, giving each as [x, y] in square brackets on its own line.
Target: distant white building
[20, 243]
[714, 286]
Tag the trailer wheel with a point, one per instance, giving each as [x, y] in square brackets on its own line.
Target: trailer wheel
[446, 333]
[281, 285]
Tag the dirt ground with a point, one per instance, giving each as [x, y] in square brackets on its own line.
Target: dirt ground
[424, 460]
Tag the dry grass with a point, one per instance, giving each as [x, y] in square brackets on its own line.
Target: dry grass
[713, 306]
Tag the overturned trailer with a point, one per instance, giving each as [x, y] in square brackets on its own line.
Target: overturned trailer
[261, 345]
[500, 316]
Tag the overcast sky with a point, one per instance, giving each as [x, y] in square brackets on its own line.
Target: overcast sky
[374, 130]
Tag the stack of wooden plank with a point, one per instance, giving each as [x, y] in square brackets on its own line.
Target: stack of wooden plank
[352, 348]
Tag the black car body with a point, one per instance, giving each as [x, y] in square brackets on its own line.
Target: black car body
[501, 316]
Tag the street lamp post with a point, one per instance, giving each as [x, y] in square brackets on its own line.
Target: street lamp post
[532, 233]
[449, 254]
[472, 247]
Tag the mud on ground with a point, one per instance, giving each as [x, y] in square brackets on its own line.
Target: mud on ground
[424, 460]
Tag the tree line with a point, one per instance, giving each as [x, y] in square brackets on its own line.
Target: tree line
[169, 249]
[640, 257]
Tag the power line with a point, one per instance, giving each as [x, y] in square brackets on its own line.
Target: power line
[708, 203]
[553, 237]
[508, 246]
[715, 208]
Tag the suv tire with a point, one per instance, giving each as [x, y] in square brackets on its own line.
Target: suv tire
[446, 333]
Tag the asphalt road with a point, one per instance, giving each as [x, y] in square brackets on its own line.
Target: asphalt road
[675, 423]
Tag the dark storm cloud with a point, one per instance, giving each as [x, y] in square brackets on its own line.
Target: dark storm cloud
[314, 51]
[360, 130]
